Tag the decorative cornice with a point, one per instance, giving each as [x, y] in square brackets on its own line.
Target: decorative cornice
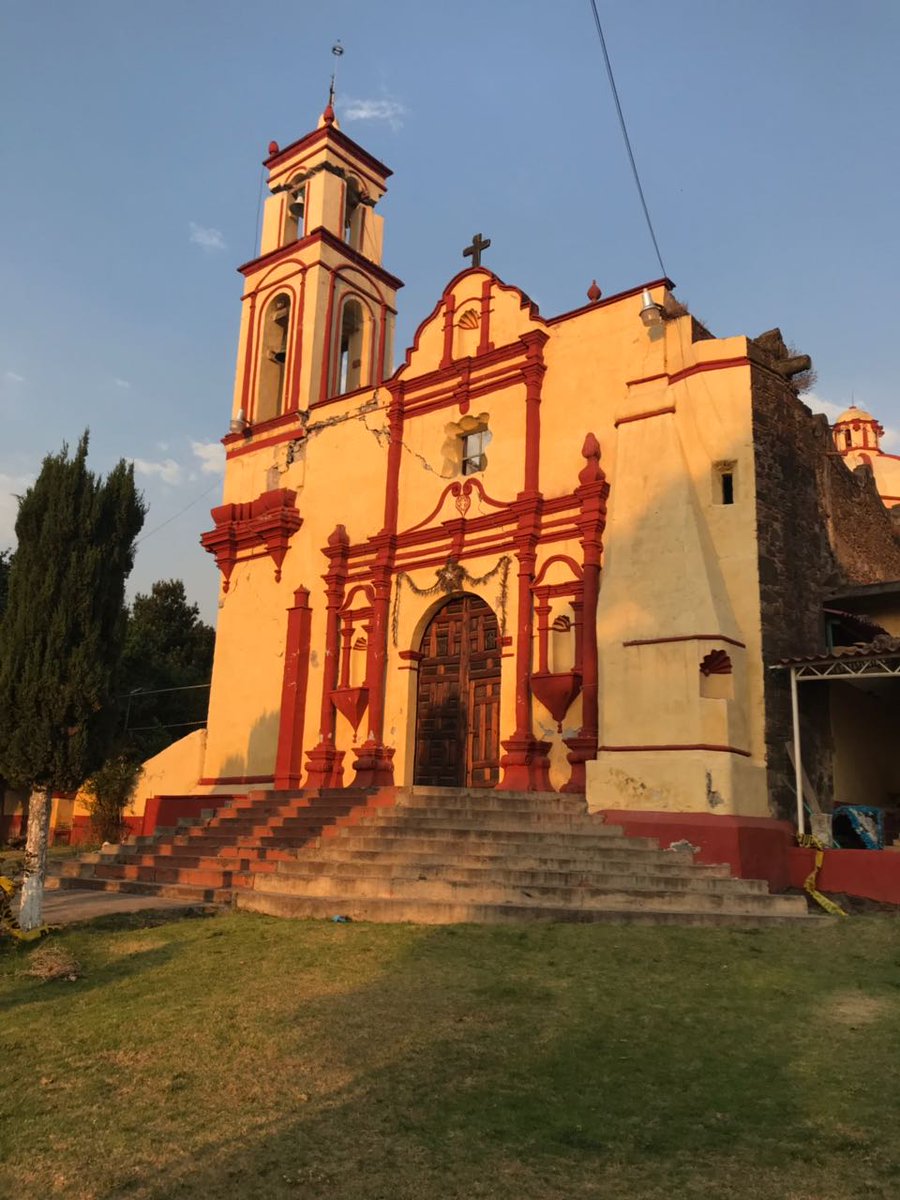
[266, 523]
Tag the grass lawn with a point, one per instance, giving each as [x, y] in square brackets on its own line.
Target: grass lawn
[241, 1057]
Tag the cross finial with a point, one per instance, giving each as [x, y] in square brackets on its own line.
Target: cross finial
[474, 251]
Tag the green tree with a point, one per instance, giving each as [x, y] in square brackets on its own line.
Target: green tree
[168, 655]
[61, 638]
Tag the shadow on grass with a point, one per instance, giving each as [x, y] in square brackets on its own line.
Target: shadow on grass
[498, 1063]
[96, 977]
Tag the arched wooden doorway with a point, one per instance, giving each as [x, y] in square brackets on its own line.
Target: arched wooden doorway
[458, 709]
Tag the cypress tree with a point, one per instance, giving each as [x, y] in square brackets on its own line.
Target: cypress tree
[61, 637]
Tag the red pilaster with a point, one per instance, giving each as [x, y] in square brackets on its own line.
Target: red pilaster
[326, 348]
[325, 760]
[374, 761]
[449, 312]
[533, 374]
[289, 757]
[485, 344]
[297, 356]
[525, 764]
[592, 493]
[248, 358]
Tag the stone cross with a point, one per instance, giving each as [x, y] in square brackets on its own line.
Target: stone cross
[474, 251]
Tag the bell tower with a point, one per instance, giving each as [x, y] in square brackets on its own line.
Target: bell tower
[319, 308]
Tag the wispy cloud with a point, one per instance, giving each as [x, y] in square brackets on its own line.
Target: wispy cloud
[211, 456]
[383, 109]
[210, 240]
[14, 377]
[122, 383]
[169, 471]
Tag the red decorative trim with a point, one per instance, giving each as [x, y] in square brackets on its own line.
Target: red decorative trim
[374, 765]
[526, 765]
[655, 412]
[485, 344]
[556, 690]
[688, 637]
[635, 291]
[309, 141]
[289, 756]
[698, 746]
[646, 379]
[718, 364]
[716, 662]
[215, 781]
[351, 702]
[415, 656]
[324, 380]
[268, 521]
[327, 238]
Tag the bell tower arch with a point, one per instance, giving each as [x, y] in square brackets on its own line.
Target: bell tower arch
[318, 306]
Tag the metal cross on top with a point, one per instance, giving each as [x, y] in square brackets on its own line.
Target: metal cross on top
[474, 251]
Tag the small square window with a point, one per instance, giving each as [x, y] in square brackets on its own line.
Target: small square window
[473, 456]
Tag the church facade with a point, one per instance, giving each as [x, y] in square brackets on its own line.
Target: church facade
[540, 554]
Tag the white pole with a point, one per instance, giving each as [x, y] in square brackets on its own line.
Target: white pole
[798, 764]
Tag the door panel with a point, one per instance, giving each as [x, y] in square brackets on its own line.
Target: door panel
[458, 710]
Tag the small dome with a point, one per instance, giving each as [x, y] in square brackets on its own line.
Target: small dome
[855, 414]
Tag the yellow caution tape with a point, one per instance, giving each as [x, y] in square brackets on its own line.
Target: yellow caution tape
[809, 841]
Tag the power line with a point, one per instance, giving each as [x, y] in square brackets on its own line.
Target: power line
[634, 170]
[181, 511]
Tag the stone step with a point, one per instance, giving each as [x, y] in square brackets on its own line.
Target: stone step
[596, 895]
[488, 801]
[438, 818]
[461, 840]
[140, 888]
[446, 913]
[620, 874]
[545, 856]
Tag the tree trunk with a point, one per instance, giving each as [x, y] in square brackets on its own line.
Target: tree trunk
[32, 910]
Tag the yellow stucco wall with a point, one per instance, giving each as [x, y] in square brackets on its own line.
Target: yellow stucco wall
[677, 562]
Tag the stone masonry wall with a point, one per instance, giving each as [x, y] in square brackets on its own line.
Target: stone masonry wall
[818, 526]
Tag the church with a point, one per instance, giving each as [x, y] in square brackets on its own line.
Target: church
[542, 554]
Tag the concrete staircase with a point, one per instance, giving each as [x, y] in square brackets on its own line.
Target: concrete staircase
[433, 856]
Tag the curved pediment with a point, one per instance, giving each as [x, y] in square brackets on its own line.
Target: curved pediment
[476, 313]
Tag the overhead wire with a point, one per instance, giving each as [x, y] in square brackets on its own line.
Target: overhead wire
[634, 170]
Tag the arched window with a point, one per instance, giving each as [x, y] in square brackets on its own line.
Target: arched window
[351, 373]
[273, 356]
[353, 214]
[295, 219]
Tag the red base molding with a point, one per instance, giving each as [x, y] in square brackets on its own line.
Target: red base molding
[872, 874]
[326, 767]
[754, 847]
[526, 765]
[581, 750]
[374, 766]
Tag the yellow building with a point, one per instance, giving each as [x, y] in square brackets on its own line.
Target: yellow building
[542, 553]
[857, 438]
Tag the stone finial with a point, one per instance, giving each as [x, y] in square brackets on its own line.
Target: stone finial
[593, 292]
[273, 148]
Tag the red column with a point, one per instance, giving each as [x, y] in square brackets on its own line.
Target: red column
[325, 760]
[592, 493]
[525, 764]
[374, 765]
[289, 756]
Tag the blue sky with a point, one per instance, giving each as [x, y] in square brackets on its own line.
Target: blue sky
[766, 136]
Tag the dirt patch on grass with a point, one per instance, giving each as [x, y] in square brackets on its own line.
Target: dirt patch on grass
[854, 1008]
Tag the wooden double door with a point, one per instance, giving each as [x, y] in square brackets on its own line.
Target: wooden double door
[458, 709]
